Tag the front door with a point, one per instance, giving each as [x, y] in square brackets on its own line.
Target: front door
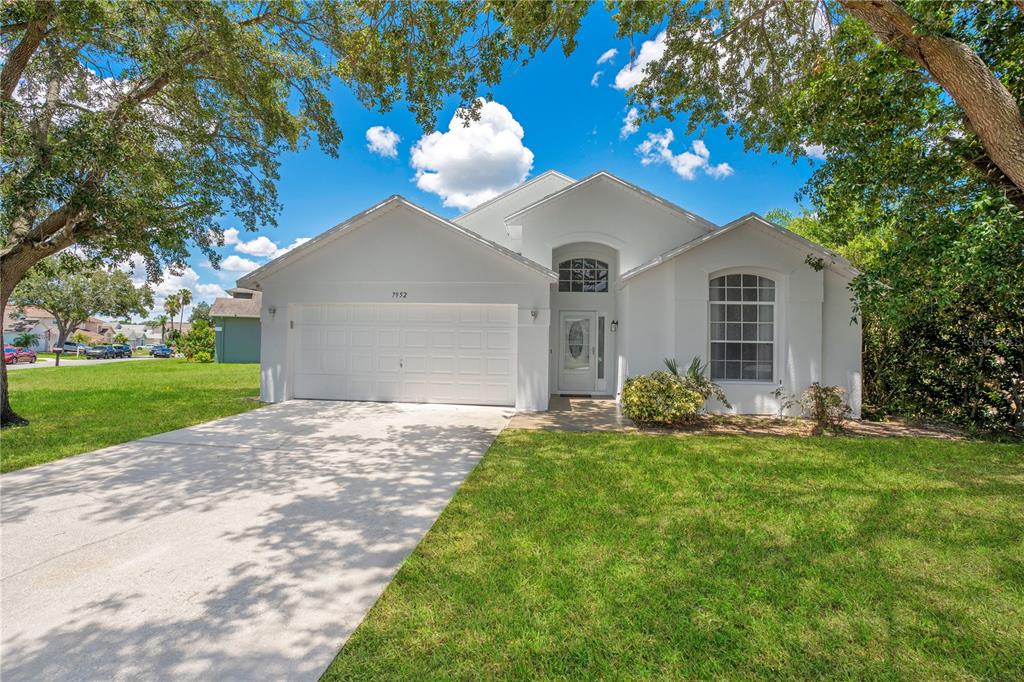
[577, 364]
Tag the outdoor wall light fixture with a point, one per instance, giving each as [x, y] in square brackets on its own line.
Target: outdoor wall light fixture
[615, 325]
[533, 314]
[272, 310]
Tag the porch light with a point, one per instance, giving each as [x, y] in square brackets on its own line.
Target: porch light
[614, 325]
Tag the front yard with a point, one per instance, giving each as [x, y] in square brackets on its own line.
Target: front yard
[634, 556]
[77, 409]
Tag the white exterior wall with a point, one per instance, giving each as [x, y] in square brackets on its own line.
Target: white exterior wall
[604, 211]
[668, 317]
[488, 219]
[404, 250]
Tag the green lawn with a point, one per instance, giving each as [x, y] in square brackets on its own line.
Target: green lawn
[624, 556]
[78, 409]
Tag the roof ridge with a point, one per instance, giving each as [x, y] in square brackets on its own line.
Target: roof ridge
[513, 190]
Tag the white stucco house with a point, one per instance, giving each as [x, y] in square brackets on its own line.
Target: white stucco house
[555, 287]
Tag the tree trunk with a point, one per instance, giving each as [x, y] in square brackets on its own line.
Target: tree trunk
[990, 109]
[7, 415]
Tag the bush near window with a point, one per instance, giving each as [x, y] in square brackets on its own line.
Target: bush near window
[660, 398]
[825, 406]
[198, 344]
[695, 378]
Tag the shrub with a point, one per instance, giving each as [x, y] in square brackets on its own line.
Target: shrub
[198, 344]
[694, 378]
[660, 398]
[823, 405]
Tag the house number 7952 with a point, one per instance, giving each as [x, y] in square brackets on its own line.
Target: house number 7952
[399, 294]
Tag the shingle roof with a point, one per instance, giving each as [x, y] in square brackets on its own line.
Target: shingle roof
[237, 307]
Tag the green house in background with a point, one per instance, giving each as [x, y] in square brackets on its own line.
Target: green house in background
[236, 321]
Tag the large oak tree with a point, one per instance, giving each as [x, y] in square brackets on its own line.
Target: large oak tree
[126, 127]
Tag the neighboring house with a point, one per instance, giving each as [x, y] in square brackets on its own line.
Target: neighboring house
[556, 286]
[236, 321]
[34, 321]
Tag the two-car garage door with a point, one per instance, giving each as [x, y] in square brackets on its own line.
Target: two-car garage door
[410, 352]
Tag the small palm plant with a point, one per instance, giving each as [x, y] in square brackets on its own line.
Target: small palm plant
[26, 339]
[695, 378]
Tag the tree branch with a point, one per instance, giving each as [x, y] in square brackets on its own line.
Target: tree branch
[19, 57]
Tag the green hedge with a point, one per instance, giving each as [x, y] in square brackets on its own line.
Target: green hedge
[660, 398]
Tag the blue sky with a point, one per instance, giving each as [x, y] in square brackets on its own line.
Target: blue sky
[566, 124]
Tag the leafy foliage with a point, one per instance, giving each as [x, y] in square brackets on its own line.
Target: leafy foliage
[25, 339]
[200, 311]
[73, 291]
[198, 345]
[695, 378]
[660, 398]
[826, 406]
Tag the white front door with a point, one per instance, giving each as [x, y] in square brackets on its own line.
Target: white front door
[577, 363]
[411, 352]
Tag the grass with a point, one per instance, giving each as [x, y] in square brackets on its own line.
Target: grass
[77, 409]
[626, 556]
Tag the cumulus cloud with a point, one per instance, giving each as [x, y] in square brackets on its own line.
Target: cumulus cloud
[630, 124]
[470, 164]
[298, 242]
[238, 264]
[815, 151]
[607, 55]
[656, 149]
[631, 74]
[230, 236]
[260, 246]
[383, 141]
[595, 80]
[171, 283]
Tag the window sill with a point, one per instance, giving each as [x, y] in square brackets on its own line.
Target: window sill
[743, 382]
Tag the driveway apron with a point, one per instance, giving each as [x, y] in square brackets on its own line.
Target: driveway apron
[244, 548]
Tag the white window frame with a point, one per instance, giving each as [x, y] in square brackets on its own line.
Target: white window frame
[776, 304]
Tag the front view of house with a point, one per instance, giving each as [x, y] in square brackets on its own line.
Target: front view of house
[557, 286]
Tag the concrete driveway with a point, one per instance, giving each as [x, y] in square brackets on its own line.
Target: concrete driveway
[244, 548]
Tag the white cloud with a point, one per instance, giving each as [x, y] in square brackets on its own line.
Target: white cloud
[595, 80]
[656, 149]
[470, 164]
[171, 283]
[630, 124]
[261, 246]
[650, 51]
[607, 55]
[298, 242]
[383, 141]
[815, 151]
[230, 236]
[235, 263]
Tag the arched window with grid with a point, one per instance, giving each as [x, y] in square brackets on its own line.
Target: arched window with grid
[742, 328]
[588, 275]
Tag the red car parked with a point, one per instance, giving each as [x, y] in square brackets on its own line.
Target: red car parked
[15, 354]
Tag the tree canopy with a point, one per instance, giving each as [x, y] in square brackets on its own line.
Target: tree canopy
[73, 291]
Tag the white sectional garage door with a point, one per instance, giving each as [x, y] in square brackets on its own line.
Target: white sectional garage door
[408, 352]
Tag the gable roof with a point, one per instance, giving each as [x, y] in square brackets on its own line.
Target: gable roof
[252, 279]
[514, 190]
[605, 175]
[237, 307]
[832, 259]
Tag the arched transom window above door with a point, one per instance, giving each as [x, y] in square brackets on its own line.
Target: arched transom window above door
[585, 275]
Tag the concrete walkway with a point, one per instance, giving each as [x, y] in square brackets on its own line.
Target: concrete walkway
[575, 414]
[248, 548]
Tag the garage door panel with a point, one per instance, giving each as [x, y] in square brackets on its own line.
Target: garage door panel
[408, 352]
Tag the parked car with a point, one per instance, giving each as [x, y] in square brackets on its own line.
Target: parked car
[160, 351]
[122, 350]
[70, 347]
[99, 352]
[16, 354]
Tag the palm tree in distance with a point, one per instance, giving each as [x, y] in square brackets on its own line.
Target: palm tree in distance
[172, 304]
[184, 298]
